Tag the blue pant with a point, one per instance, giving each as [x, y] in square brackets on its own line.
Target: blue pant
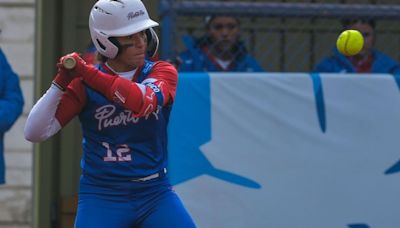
[153, 205]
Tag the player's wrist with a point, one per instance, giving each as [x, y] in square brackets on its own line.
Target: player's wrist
[88, 73]
[62, 81]
[58, 86]
[100, 81]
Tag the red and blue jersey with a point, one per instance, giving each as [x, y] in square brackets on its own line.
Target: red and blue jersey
[119, 144]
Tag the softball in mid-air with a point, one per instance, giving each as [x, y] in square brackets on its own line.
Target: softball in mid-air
[350, 42]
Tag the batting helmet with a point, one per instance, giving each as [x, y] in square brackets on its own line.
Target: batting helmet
[116, 18]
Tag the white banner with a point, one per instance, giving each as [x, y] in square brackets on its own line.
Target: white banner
[287, 150]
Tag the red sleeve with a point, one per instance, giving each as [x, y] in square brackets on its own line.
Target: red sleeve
[167, 79]
[72, 102]
[160, 88]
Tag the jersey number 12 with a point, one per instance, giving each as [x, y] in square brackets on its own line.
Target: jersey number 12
[123, 153]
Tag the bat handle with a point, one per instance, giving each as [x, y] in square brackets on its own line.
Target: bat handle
[69, 63]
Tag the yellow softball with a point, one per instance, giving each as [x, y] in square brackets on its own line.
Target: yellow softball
[350, 42]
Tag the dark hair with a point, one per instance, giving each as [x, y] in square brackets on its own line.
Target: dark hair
[208, 19]
[101, 58]
[347, 22]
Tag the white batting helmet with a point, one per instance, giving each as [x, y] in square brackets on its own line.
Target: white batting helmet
[116, 18]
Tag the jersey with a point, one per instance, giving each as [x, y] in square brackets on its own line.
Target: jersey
[117, 146]
[124, 146]
[121, 145]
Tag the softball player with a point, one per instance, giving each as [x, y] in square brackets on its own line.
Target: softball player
[123, 106]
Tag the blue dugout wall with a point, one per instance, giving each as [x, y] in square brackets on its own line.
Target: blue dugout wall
[287, 150]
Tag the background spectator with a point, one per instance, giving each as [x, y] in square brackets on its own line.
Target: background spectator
[219, 50]
[369, 60]
[11, 104]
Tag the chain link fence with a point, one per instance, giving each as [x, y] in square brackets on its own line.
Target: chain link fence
[286, 36]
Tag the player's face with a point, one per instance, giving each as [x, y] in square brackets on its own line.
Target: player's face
[368, 32]
[224, 32]
[133, 49]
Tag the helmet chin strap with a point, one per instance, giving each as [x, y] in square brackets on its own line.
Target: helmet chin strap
[152, 42]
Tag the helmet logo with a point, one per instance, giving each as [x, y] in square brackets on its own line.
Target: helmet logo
[132, 15]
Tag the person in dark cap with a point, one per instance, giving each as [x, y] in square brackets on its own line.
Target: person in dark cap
[219, 50]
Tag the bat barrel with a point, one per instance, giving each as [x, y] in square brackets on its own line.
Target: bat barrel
[69, 63]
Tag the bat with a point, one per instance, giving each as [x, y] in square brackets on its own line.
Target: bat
[69, 63]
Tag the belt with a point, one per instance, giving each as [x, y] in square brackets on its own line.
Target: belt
[152, 176]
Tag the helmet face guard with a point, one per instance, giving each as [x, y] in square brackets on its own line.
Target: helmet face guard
[116, 18]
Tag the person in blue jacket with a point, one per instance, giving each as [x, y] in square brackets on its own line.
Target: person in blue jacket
[11, 103]
[369, 60]
[219, 50]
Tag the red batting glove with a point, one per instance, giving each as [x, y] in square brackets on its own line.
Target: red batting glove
[63, 76]
[92, 76]
[114, 88]
[81, 68]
